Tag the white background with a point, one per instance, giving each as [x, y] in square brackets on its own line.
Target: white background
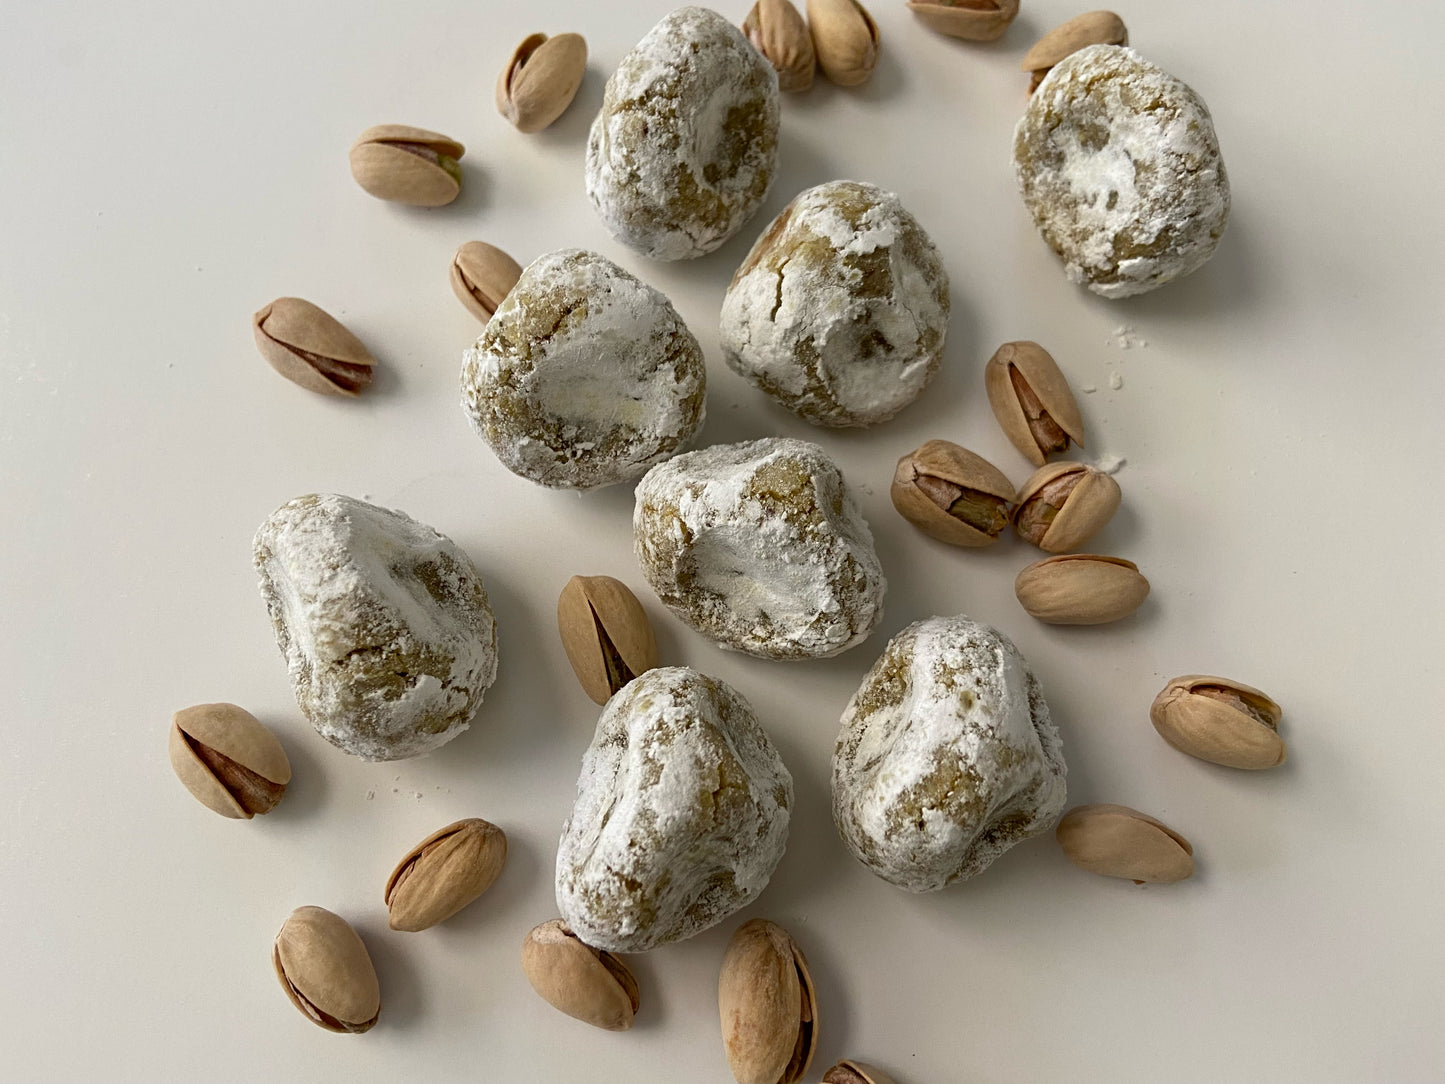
[167, 168]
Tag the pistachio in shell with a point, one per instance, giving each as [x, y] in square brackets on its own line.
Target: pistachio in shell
[767, 1005]
[951, 494]
[482, 276]
[326, 971]
[1032, 401]
[586, 983]
[443, 873]
[606, 634]
[971, 20]
[1063, 505]
[540, 80]
[845, 40]
[1081, 589]
[224, 756]
[310, 347]
[1116, 841]
[1219, 720]
[1090, 28]
[402, 164]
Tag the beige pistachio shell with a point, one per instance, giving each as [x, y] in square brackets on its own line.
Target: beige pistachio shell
[407, 165]
[767, 1005]
[326, 971]
[541, 79]
[935, 476]
[1219, 720]
[971, 20]
[845, 40]
[228, 760]
[606, 634]
[852, 1071]
[1092, 497]
[310, 347]
[1081, 589]
[778, 31]
[443, 873]
[1090, 28]
[585, 983]
[482, 276]
[1046, 391]
[1116, 841]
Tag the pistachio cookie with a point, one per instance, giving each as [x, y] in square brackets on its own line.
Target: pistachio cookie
[384, 623]
[681, 814]
[760, 547]
[585, 376]
[840, 310]
[947, 756]
[684, 149]
[1119, 166]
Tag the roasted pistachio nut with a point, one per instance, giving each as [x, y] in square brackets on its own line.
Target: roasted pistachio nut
[952, 495]
[851, 1071]
[1032, 401]
[228, 760]
[482, 276]
[845, 40]
[1219, 720]
[768, 1006]
[606, 634]
[1090, 28]
[310, 347]
[971, 20]
[778, 31]
[541, 79]
[326, 972]
[1081, 589]
[1116, 841]
[1064, 505]
[443, 873]
[407, 165]
[586, 983]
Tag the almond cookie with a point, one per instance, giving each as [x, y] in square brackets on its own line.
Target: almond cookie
[1119, 165]
[684, 149]
[384, 623]
[681, 814]
[947, 756]
[841, 308]
[760, 547]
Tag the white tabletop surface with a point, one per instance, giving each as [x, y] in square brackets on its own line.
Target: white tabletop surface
[167, 168]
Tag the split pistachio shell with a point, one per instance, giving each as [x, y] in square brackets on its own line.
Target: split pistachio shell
[310, 347]
[1219, 720]
[407, 165]
[482, 276]
[443, 873]
[845, 39]
[586, 983]
[971, 20]
[779, 32]
[1090, 28]
[1064, 505]
[1116, 841]
[1032, 401]
[951, 494]
[228, 760]
[326, 971]
[850, 1071]
[1081, 589]
[606, 634]
[767, 1005]
[541, 79]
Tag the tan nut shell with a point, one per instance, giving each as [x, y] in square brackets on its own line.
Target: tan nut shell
[1086, 510]
[1216, 731]
[1090, 28]
[779, 32]
[1081, 589]
[1043, 376]
[852, 1071]
[845, 39]
[971, 20]
[234, 733]
[339, 365]
[482, 276]
[443, 873]
[391, 173]
[602, 624]
[585, 983]
[1116, 841]
[541, 79]
[953, 463]
[326, 971]
[767, 1005]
